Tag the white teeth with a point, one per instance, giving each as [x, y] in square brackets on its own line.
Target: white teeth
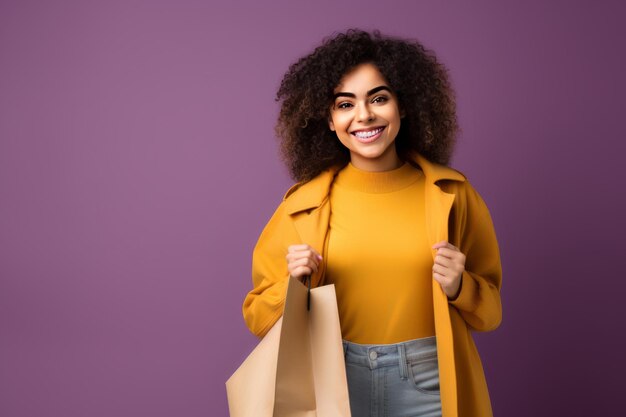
[368, 134]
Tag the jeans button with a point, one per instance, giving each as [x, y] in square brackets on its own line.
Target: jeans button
[373, 355]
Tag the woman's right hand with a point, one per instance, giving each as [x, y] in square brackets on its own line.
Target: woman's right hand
[302, 261]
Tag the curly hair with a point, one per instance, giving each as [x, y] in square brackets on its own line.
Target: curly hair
[420, 82]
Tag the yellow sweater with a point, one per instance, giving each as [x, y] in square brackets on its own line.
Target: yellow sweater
[379, 257]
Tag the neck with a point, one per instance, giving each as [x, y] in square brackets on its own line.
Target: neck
[385, 162]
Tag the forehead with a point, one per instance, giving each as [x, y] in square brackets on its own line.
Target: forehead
[362, 77]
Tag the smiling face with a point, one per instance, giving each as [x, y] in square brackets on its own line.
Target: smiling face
[366, 117]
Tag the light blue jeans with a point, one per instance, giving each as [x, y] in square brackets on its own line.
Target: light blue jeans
[398, 380]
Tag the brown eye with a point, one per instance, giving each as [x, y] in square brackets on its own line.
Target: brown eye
[380, 99]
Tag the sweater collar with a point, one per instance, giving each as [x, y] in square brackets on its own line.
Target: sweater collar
[311, 194]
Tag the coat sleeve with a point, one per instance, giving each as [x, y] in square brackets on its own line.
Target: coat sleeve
[473, 233]
[264, 305]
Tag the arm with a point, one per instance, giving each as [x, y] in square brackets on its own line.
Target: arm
[471, 229]
[264, 305]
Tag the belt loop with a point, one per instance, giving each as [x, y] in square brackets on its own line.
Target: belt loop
[402, 359]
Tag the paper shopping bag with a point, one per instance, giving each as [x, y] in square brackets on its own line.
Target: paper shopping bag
[298, 369]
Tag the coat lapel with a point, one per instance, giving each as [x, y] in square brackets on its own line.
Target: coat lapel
[308, 206]
[438, 205]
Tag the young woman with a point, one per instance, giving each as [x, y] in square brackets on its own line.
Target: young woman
[367, 126]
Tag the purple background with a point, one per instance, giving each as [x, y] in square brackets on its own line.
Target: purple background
[138, 167]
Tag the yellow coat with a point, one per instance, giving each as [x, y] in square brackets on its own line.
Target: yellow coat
[454, 212]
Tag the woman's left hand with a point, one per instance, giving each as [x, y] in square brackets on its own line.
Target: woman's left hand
[448, 268]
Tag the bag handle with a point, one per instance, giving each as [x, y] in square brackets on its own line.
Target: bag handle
[307, 280]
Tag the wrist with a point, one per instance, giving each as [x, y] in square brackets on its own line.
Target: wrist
[457, 292]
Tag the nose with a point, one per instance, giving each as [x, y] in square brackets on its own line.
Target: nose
[365, 114]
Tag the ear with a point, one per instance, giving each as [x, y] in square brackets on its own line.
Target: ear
[331, 125]
[402, 114]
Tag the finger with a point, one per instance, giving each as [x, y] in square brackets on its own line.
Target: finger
[444, 244]
[307, 262]
[441, 279]
[454, 263]
[314, 253]
[447, 252]
[451, 246]
[300, 272]
[449, 269]
[444, 261]
[447, 273]
[306, 254]
[303, 247]
[456, 256]
[297, 248]
[301, 263]
[441, 244]
[438, 269]
[309, 253]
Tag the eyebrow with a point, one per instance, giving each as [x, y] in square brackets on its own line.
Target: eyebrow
[369, 93]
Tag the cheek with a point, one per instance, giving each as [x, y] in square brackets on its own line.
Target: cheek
[394, 116]
[340, 122]
[332, 121]
[395, 120]
[343, 138]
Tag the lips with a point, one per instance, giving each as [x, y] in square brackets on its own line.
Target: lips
[369, 135]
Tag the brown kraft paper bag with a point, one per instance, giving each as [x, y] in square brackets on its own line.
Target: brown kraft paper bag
[298, 369]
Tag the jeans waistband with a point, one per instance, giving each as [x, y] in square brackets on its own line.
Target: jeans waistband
[376, 356]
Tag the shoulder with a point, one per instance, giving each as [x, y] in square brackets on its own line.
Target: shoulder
[467, 201]
[320, 182]
[309, 194]
[435, 172]
[463, 188]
